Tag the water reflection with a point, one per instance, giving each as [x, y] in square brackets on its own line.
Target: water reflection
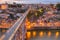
[57, 34]
[28, 34]
[43, 35]
[49, 33]
[34, 33]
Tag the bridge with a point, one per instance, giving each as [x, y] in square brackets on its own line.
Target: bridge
[17, 29]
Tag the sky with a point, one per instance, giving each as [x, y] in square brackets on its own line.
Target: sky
[32, 1]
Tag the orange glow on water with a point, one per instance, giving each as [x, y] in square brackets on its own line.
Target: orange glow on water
[49, 34]
[34, 33]
[41, 34]
[28, 34]
[57, 34]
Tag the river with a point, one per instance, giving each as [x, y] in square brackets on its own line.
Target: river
[43, 35]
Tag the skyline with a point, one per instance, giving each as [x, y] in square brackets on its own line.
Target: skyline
[31, 1]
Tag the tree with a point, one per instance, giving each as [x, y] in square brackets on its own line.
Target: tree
[30, 14]
[52, 4]
[34, 15]
[58, 6]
